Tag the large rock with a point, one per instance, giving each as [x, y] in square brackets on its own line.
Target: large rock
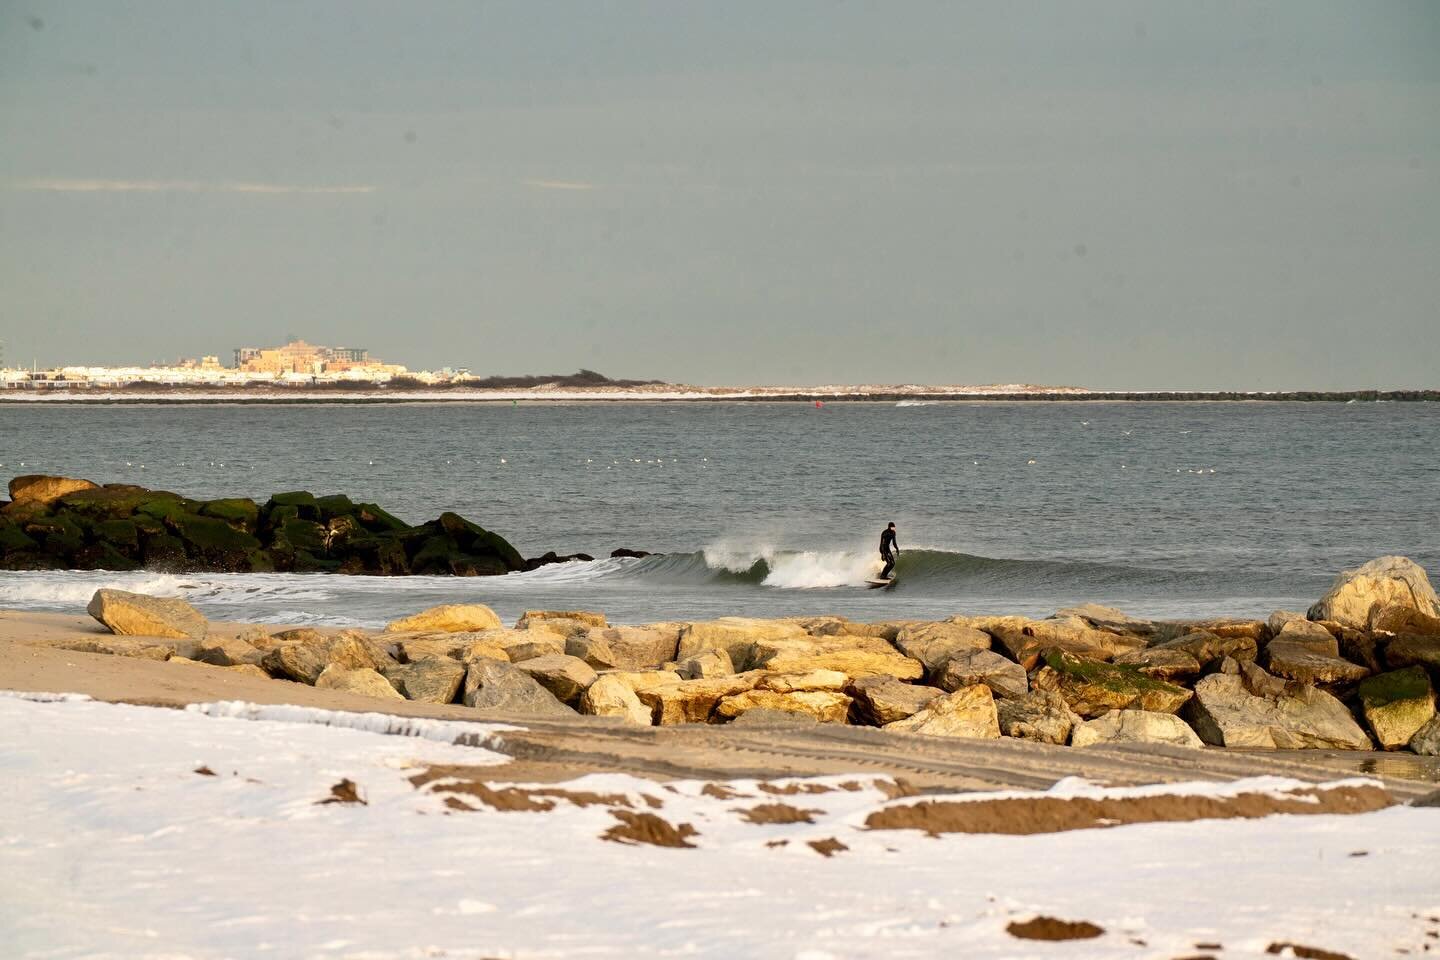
[825, 706]
[880, 700]
[1135, 726]
[1109, 619]
[450, 618]
[611, 696]
[968, 712]
[1413, 649]
[304, 659]
[564, 676]
[1072, 635]
[537, 641]
[1311, 636]
[1207, 647]
[1297, 661]
[639, 648]
[142, 648]
[229, 652]
[363, 681]
[1093, 688]
[1397, 704]
[1426, 741]
[1041, 715]
[592, 649]
[705, 664]
[853, 656]
[1386, 581]
[506, 689]
[429, 680]
[588, 618]
[690, 701]
[1403, 620]
[1004, 677]
[935, 643]
[456, 646]
[42, 490]
[1251, 709]
[734, 635]
[1160, 663]
[136, 615]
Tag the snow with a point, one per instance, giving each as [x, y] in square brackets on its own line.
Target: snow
[112, 846]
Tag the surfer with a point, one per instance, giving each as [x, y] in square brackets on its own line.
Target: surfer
[889, 550]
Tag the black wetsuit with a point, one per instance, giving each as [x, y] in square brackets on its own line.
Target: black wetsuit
[888, 549]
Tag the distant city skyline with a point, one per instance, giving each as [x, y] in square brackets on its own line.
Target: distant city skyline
[1121, 195]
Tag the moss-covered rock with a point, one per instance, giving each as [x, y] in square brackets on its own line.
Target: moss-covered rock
[1093, 688]
[376, 520]
[475, 540]
[305, 535]
[305, 504]
[1397, 704]
[335, 505]
[240, 513]
[13, 539]
[216, 545]
[58, 536]
[102, 556]
[121, 534]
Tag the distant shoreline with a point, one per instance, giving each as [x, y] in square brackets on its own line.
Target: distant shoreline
[301, 395]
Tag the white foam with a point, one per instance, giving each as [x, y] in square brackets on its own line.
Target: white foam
[795, 569]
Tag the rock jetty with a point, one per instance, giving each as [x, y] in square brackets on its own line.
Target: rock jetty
[1086, 677]
[64, 523]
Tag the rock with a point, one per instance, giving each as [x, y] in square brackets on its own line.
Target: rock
[1412, 649]
[1041, 715]
[229, 652]
[888, 630]
[1227, 712]
[853, 656]
[456, 646]
[638, 680]
[1135, 726]
[1386, 581]
[826, 706]
[450, 618]
[1207, 647]
[1092, 688]
[141, 648]
[587, 617]
[1296, 661]
[705, 664]
[767, 718]
[1403, 620]
[34, 489]
[832, 680]
[1362, 647]
[1279, 618]
[565, 677]
[1311, 636]
[880, 699]
[1396, 705]
[303, 660]
[593, 649]
[249, 670]
[363, 681]
[628, 553]
[968, 712]
[1160, 663]
[610, 696]
[1005, 678]
[428, 680]
[935, 643]
[734, 635]
[1426, 740]
[505, 688]
[640, 648]
[136, 615]
[1108, 619]
[690, 701]
[1069, 634]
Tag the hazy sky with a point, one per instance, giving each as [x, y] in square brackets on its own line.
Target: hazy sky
[1116, 194]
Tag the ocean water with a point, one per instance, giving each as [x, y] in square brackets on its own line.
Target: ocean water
[1164, 509]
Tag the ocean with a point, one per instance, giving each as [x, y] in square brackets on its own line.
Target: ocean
[1165, 510]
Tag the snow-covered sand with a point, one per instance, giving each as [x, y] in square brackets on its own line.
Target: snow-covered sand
[112, 845]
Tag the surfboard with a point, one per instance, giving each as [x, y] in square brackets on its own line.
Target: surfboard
[875, 583]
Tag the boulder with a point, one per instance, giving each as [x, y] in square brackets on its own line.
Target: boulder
[690, 701]
[968, 712]
[1004, 677]
[1135, 726]
[42, 490]
[638, 680]
[935, 643]
[1206, 647]
[137, 615]
[1069, 634]
[229, 652]
[825, 706]
[705, 664]
[506, 689]
[1413, 649]
[1396, 705]
[564, 676]
[639, 648]
[734, 635]
[428, 680]
[450, 618]
[593, 649]
[832, 680]
[611, 696]
[1041, 715]
[884, 630]
[586, 617]
[880, 699]
[249, 670]
[1160, 663]
[1092, 688]
[771, 719]
[1403, 620]
[1279, 618]
[1311, 636]
[1384, 581]
[1247, 710]
[853, 656]
[1109, 619]
[303, 660]
[1426, 740]
[363, 681]
[1298, 661]
[142, 648]
[456, 646]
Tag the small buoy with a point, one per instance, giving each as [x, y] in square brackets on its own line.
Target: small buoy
[1030, 461]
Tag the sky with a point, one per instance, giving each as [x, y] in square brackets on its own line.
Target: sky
[1114, 194]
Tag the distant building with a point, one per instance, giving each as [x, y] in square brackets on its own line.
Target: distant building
[300, 357]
